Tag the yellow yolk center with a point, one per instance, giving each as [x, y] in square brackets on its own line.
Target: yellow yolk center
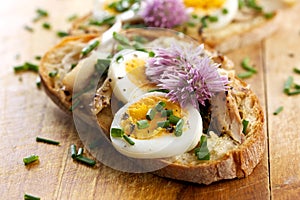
[138, 111]
[135, 70]
[204, 4]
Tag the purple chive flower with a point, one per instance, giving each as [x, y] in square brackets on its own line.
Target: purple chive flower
[187, 72]
[164, 13]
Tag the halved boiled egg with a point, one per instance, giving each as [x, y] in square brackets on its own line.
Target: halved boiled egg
[152, 126]
[127, 74]
[218, 13]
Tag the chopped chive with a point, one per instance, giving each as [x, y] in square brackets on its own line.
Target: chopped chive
[142, 124]
[224, 11]
[32, 67]
[48, 141]
[202, 152]
[26, 67]
[28, 28]
[119, 59]
[213, 18]
[128, 25]
[245, 125]
[72, 17]
[19, 68]
[85, 160]
[269, 15]
[38, 81]
[121, 39]
[151, 54]
[109, 20]
[191, 24]
[74, 105]
[42, 12]
[163, 124]
[296, 86]
[288, 84]
[73, 65]
[278, 110]
[296, 70]
[116, 132]
[37, 57]
[29, 159]
[30, 197]
[194, 16]
[159, 90]
[252, 4]
[247, 74]
[102, 66]
[178, 128]
[73, 150]
[127, 139]
[290, 93]
[79, 152]
[166, 113]
[160, 106]
[140, 39]
[150, 114]
[203, 21]
[46, 25]
[174, 119]
[245, 64]
[91, 46]
[62, 33]
[53, 73]
[241, 4]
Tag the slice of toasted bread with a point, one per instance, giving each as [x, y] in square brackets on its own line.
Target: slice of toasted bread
[230, 158]
[248, 27]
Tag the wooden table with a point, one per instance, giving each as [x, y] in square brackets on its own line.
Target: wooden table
[26, 112]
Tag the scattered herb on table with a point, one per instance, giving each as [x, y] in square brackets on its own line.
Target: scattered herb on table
[250, 70]
[62, 34]
[78, 156]
[41, 13]
[46, 25]
[278, 110]
[30, 159]
[27, 66]
[28, 28]
[30, 197]
[45, 140]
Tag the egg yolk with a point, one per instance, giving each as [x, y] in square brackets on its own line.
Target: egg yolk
[204, 4]
[135, 70]
[138, 111]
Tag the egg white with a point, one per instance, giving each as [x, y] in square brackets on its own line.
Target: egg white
[123, 88]
[160, 146]
[223, 19]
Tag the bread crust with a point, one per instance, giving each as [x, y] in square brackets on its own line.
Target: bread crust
[236, 163]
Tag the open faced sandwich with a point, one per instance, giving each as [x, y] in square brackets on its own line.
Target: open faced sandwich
[161, 96]
[223, 24]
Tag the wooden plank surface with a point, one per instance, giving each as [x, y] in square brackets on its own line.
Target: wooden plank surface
[26, 112]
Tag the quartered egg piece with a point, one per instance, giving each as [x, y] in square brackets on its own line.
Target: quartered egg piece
[156, 141]
[127, 74]
[220, 12]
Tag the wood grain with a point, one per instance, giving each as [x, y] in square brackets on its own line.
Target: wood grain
[26, 112]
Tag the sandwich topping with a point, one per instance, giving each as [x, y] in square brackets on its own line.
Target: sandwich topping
[200, 107]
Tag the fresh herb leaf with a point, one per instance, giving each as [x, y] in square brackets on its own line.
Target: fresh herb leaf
[245, 126]
[202, 152]
[278, 110]
[121, 39]
[288, 84]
